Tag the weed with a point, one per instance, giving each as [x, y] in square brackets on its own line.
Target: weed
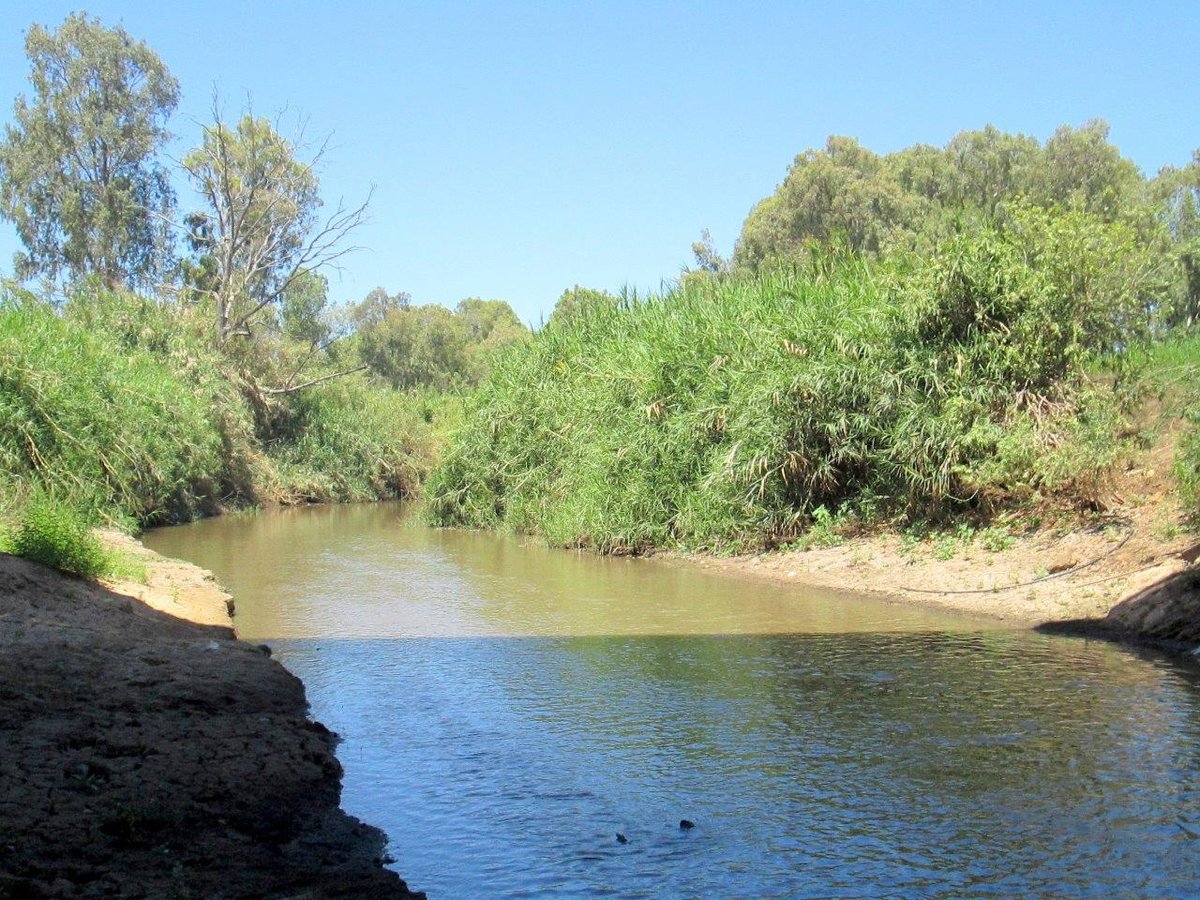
[995, 538]
[823, 532]
[55, 534]
[946, 546]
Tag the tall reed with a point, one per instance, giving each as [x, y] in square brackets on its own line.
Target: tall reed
[726, 412]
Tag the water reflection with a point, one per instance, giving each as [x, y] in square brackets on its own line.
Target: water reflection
[833, 748]
[817, 765]
[368, 571]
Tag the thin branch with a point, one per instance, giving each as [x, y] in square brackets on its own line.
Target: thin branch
[299, 387]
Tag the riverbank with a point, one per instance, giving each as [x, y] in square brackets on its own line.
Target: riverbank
[1129, 573]
[146, 752]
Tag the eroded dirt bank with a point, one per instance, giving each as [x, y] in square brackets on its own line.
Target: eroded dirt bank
[142, 755]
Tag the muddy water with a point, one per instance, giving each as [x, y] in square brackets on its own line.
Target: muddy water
[508, 709]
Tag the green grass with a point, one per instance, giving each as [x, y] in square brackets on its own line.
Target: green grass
[108, 428]
[726, 413]
[56, 534]
[1171, 369]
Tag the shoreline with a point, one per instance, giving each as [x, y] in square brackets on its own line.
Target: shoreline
[148, 752]
[1130, 576]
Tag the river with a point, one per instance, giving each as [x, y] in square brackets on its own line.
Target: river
[507, 710]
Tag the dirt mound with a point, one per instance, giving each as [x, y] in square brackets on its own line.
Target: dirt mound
[1167, 611]
[146, 756]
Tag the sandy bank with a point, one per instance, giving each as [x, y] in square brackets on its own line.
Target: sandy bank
[1131, 572]
[143, 755]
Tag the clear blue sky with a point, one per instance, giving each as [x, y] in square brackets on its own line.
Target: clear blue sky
[520, 148]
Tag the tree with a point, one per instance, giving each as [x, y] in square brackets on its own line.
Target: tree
[989, 168]
[488, 325]
[78, 176]
[1177, 192]
[416, 346]
[262, 228]
[707, 258]
[842, 193]
[576, 302]
[1082, 170]
[377, 304]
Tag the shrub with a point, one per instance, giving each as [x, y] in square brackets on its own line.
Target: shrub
[349, 439]
[726, 413]
[108, 428]
[54, 533]
[1187, 464]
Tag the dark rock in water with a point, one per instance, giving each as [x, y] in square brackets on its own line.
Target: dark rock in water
[621, 839]
[686, 824]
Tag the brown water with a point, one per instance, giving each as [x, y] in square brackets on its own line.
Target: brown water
[507, 709]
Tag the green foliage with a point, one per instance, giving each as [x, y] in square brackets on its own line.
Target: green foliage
[78, 177]
[431, 346]
[1185, 354]
[260, 231]
[847, 196]
[995, 538]
[350, 440]
[1026, 304]
[1187, 463]
[105, 425]
[54, 533]
[825, 530]
[578, 301]
[120, 408]
[728, 412]
[1177, 193]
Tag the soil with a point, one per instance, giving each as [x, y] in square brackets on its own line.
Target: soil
[145, 755]
[1127, 572]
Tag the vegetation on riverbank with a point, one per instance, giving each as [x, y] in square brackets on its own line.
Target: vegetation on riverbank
[917, 338]
[137, 421]
[140, 386]
[971, 346]
[1175, 365]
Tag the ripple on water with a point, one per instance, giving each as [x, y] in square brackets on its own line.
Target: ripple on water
[836, 747]
[929, 765]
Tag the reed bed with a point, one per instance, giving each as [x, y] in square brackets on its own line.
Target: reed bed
[728, 413]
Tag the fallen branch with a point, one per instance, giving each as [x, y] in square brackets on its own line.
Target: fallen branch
[298, 387]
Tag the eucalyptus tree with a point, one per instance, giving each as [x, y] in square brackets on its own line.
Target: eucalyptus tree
[841, 193]
[262, 228]
[1177, 192]
[78, 173]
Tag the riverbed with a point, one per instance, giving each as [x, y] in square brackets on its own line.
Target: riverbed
[508, 710]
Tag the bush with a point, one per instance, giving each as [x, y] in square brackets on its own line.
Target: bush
[1187, 464]
[349, 439]
[55, 534]
[110, 428]
[727, 413]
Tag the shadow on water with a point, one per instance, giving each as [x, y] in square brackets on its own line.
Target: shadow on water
[840, 747]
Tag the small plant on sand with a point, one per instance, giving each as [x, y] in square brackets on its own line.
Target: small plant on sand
[946, 546]
[995, 538]
[55, 534]
[126, 566]
[824, 531]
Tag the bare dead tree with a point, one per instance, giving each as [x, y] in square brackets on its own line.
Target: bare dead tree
[262, 227]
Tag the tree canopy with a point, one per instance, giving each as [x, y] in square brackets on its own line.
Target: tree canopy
[869, 203]
[79, 176]
[261, 229]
